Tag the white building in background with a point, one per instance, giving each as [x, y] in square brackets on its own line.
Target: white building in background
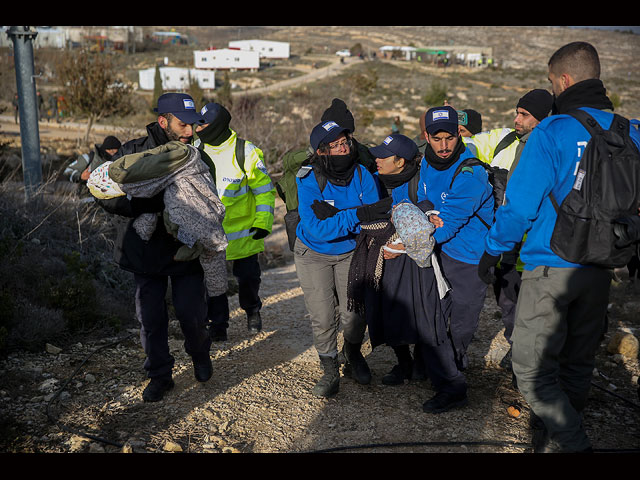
[226, 59]
[176, 78]
[266, 48]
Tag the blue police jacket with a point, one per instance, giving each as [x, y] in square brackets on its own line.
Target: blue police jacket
[335, 235]
[462, 236]
[548, 164]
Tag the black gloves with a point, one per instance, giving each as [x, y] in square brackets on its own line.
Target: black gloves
[323, 210]
[381, 210]
[141, 205]
[627, 229]
[487, 262]
[260, 233]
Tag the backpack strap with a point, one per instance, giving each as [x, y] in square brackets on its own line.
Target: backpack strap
[413, 187]
[507, 140]
[240, 142]
[467, 166]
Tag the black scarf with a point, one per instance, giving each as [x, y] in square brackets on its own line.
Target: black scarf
[338, 169]
[588, 93]
[443, 163]
[397, 179]
[367, 262]
[218, 131]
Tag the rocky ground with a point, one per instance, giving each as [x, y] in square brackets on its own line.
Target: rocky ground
[87, 397]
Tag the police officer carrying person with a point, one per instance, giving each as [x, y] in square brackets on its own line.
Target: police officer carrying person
[561, 305]
[152, 262]
[465, 206]
[246, 190]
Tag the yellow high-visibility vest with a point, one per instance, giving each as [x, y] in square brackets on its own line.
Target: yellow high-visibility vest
[248, 195]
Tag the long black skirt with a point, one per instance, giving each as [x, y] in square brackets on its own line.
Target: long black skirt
[407, 309]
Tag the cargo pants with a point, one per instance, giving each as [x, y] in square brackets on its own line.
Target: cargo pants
[560, 320]
[322, 278]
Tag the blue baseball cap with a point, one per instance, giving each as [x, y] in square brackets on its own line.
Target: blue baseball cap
[181, 105]
[396, 144]
[211, 111]
[326, 132]
[441, 118]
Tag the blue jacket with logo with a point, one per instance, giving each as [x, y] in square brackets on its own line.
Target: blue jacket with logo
[462, 236]
[548, 164]
[335, 235]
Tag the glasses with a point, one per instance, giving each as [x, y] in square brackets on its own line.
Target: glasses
[346, 144]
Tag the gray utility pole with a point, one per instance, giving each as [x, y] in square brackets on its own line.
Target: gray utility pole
[22, 38]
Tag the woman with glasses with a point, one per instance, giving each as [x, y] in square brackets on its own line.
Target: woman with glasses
[335, 194]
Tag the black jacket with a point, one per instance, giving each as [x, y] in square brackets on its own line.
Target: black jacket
[131, 252]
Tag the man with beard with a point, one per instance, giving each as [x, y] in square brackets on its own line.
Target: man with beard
[501, 148]
[561, 305]
[464, 204]
[152, 262]
[246, 190]
[330, 217]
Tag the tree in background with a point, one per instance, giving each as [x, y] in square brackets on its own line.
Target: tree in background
[224, 96]
[157, 87]
[91, 87]
[196, 92]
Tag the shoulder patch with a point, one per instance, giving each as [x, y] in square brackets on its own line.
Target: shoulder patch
[304, 171]
[467, 169]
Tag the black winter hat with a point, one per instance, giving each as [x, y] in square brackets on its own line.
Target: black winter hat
[474, 121]
[339, 113]
[537, 102]
[111, 142]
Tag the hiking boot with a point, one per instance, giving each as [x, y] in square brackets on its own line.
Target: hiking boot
[398, 374]
[505, 363]
[329, 383]
[254, 322]
[443, 402]
[218, 334]
[202, 369]
[156, 388]
[355, 365]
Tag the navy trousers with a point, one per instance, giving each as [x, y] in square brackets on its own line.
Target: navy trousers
[468, 293]
[247, 271]
[189, 301]
[440, 364]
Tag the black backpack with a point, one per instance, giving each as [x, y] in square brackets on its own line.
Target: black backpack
[607, 187]
[497, 179]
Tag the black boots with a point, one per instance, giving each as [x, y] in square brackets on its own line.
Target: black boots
[329, 383]
[355, 365]
[403, 370]
[254, 322]
[156, 388]
[202, 369]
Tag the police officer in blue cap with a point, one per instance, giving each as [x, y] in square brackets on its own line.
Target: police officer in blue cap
[152, 262]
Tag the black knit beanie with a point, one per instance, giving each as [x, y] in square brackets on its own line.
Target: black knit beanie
[339, 113]
[111, 142]
[537, 102]
[474, 121]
